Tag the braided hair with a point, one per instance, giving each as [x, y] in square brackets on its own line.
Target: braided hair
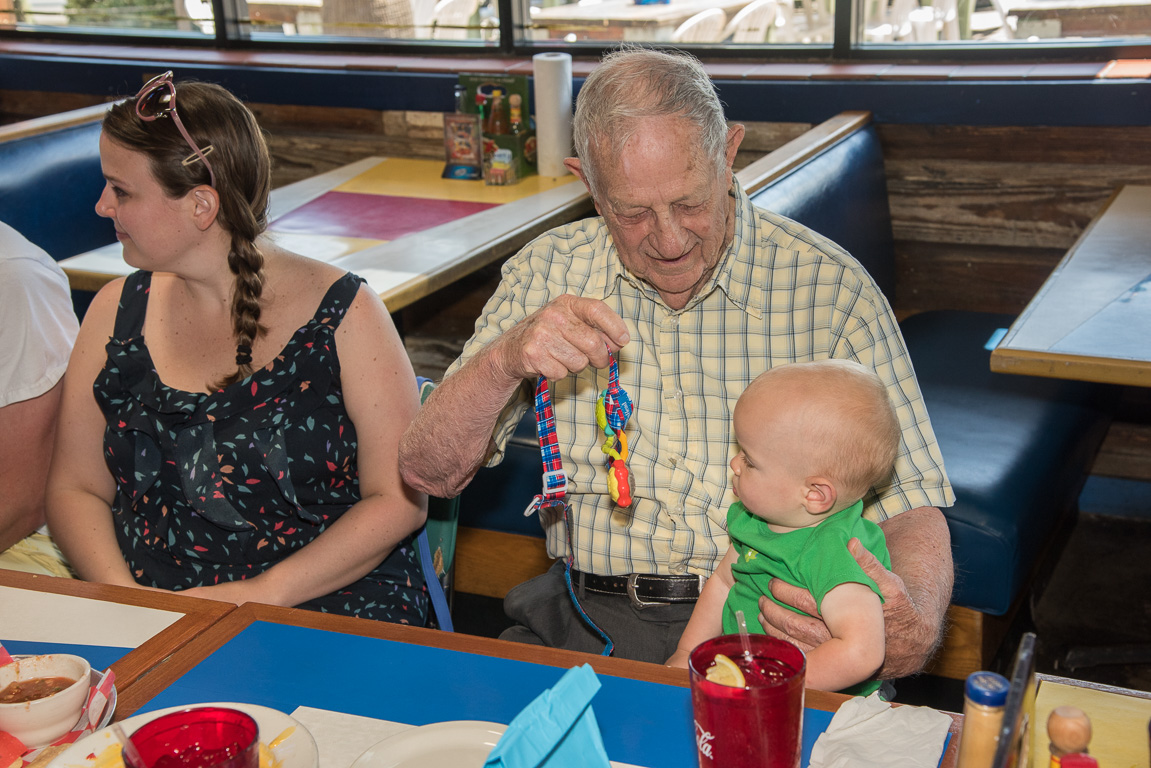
[242, 166]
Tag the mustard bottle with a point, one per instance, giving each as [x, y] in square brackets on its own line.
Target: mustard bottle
[984, 696]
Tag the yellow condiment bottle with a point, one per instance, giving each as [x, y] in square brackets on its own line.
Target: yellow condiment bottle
[983, 700]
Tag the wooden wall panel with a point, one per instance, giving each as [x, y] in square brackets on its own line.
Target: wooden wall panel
[969, 277]
[981, 215]
[1019, 144]
[305, 141]
[1126, 452]
[25, 105]
[1001, 203]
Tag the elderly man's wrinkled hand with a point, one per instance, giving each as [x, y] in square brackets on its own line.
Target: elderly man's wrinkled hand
[565, 336]
[804, 631]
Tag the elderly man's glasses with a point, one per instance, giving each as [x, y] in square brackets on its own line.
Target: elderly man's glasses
[158, 99]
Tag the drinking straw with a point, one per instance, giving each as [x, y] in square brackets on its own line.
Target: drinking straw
[744, 638]
[130, 751]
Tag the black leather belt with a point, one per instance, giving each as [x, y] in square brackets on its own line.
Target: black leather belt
[644, 589]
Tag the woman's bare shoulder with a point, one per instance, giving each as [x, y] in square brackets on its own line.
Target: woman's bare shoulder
[296, 277]
[101, 313]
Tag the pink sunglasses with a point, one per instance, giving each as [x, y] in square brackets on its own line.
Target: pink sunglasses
[158, 99]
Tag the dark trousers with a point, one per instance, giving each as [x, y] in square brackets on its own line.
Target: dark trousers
[544, 615]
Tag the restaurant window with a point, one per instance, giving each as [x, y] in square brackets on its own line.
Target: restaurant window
[402, 21]
[682, 22]
[726, 27]
[143, 18]
[1011, 23]
[334, 21]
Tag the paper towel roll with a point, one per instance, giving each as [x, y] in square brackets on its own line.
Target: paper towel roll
[553, 96]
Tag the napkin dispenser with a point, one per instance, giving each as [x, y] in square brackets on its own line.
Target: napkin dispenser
[557, 730]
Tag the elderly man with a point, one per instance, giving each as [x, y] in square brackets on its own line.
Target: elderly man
[37, 329]
[695, 292]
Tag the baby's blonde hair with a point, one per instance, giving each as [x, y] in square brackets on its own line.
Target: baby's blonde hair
[844, 415]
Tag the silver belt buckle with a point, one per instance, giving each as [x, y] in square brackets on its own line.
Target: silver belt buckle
[636, 602]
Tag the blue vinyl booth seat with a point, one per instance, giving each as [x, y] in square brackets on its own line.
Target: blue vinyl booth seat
[49, 185]
[1017, 449]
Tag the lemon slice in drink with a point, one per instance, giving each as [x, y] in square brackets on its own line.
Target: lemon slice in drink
[725, 672]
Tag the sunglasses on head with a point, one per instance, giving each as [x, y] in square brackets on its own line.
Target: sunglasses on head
[158, 99]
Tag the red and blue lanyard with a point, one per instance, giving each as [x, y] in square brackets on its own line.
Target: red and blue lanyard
[617, 407]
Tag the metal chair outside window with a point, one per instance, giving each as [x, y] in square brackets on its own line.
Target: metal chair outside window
[753, 23]
[704, 27]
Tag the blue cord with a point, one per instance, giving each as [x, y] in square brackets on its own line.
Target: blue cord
[435, 588]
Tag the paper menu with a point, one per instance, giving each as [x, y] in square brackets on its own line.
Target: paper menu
[30, 616]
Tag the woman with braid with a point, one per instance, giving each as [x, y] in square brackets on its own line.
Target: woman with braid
[232, 411]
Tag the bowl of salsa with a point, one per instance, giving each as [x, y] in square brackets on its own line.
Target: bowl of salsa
[41, 697]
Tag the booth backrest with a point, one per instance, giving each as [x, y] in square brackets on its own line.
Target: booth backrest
[49, 184]
[841, 193]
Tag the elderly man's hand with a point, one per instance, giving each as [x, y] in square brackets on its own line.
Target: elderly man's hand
[565, 336]
[911, 634]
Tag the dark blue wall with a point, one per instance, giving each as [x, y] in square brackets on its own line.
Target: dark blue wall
[938, 102]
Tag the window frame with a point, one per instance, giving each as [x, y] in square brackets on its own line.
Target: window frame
[844, 48]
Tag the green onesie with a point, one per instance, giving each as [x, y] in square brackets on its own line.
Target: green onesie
[814, 558]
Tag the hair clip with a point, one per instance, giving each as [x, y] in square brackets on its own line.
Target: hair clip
[243, 354]
[194, 158]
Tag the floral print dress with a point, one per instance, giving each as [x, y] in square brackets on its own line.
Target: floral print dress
[217, 487]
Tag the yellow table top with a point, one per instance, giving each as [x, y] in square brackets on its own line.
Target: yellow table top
[1119, 723]
[404, 177]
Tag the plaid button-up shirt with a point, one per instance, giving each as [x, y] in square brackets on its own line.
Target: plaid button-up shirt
[780, 294]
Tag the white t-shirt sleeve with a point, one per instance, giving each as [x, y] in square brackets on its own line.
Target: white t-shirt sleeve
[37, 323]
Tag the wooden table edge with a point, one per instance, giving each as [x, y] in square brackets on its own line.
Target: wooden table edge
[1041, 677]
[199, 615]
[85, 280]
[1059, 366]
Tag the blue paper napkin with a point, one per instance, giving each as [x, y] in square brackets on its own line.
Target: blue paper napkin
[557, 730]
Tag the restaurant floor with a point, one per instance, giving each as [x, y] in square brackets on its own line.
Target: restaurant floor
[1092, 618]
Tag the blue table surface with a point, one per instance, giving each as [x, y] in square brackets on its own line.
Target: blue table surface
[285, 667]
[99, 656]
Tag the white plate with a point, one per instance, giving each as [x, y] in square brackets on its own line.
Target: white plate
[454, 744]
[296, 750]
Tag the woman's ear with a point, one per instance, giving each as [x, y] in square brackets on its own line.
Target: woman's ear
[205, 206]
[819, 495]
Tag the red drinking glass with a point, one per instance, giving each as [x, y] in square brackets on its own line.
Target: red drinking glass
[200, 737]
[758, 726]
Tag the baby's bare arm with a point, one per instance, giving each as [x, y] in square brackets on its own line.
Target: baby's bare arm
[707, 617]
[854, 653]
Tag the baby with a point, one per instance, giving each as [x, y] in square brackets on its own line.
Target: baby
[813, 438]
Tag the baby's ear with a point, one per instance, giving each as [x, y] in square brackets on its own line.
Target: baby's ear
[819, 495]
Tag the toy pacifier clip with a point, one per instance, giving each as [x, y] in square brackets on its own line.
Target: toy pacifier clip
[612, 411]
